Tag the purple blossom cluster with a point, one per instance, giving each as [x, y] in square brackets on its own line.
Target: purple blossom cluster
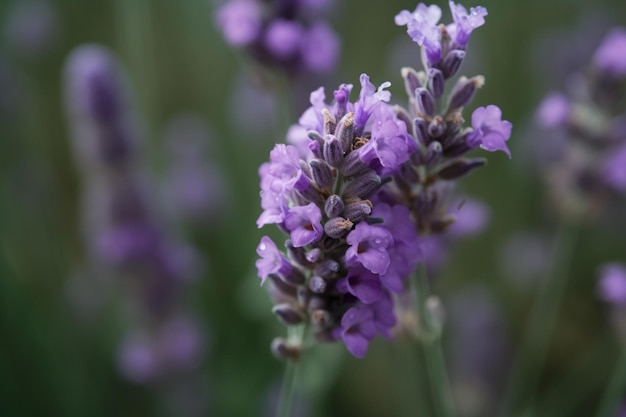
[281, 33]
[591, 163]
[122, 229]
[361, 184]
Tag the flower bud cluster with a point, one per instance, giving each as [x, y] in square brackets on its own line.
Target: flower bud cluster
[346, 252]
[281, 33]
[435, 120]
[591, 163]
[120, 225]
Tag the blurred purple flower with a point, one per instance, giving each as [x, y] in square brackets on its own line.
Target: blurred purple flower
[240, 21]
[610, 57]
[31, 27]
[612, 283]
[554, 110]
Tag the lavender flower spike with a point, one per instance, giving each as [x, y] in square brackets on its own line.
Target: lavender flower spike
[490, 131]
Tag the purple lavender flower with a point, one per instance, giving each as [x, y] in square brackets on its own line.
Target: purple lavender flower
[464, 23]
[304, 223]
[490, 131]
[280, 34]
[422, 28]
[612, 283]
[240, 21]
[361, 181]
[614, 169]
[368, 247]
[120, 221]
[320, 48]
[610, 57]
[554, 110]
[588, 167]
[272, 260]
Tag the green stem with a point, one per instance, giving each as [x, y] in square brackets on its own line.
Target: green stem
[288, 390]
[433, 352]
[296, 335]
[542, 321]
[614, 392]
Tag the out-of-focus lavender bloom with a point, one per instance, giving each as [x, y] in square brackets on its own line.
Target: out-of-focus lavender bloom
[121, 221]
[589, 166]
[31, 27]
[610, 57]
[554, 110]
[612, 283]
[281, 34]
[614, 169]
[240, 21]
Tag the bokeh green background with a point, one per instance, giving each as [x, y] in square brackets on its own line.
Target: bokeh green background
[53, 363]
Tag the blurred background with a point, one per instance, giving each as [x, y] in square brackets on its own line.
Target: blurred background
[73, 342]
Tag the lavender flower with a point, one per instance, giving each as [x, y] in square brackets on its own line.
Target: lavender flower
[609, 57]
[612, 283]
[361, 180]
[318, 191]
[280, 34]
[490, 131]
[589, 166]
[443, 46]
[121, 223]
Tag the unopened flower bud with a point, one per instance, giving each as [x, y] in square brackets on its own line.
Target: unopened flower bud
[318, 284]
[420, 129]
[288, 314]
[460, 168]
[316, 144]
[436, 82]
[334, 206]
[330, 124]
[333, 154]
[337, 227]
[411, 80]
[345, 131]
[284, 350]
[297, 255]
[358, 211]
[352, 165]
[327, 268]
[281, 288]
[425, 101]
[321, 173]
[452, 62]
[363, 185]
[437, 127]
[316, 303]
[433, 155]
[464, 91]
[321, 319]
[314, 255]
